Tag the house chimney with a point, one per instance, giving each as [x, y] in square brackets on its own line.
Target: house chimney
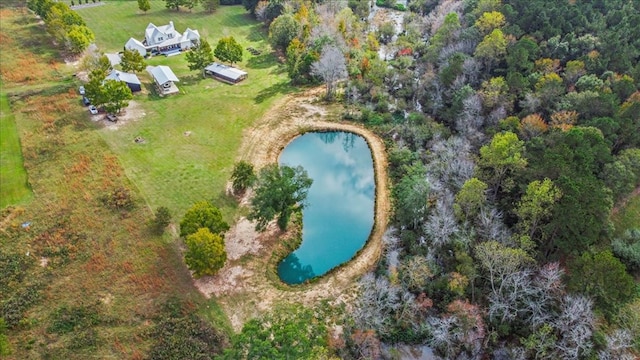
[171, 23]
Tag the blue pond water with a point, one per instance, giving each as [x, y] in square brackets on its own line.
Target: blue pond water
[339, 214]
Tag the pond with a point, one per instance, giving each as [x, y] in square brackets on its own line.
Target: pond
[339, 214]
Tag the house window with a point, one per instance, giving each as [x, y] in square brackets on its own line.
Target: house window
[160, 38]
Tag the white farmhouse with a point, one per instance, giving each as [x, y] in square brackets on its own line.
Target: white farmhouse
[164, 40]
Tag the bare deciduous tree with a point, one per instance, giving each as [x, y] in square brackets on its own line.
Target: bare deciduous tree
[575, 323]
[331, 67]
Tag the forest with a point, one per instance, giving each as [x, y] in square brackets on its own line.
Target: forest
[513, 129]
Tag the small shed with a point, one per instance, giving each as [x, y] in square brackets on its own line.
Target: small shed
[225, 73]
[136, 45]
[164, 78]
[131, 80]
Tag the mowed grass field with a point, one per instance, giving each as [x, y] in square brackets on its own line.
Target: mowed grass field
[170, 168]
[14, 188]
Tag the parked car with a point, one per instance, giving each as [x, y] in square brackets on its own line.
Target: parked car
[86, 101]
[81, 90]
[93, 110]
[112, 117]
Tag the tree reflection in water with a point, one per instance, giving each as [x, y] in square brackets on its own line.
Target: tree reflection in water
[292, 272]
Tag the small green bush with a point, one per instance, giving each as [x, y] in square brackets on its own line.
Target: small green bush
[161, 220]
[119, 199]
[70, 319]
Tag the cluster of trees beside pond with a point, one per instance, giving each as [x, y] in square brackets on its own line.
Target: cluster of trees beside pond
[513, 128]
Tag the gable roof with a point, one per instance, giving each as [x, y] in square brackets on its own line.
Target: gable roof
[114, 59]
[162, 74]
[226, 71]
[168, 31]
[124, 76]
[134, 43]
[190, 34]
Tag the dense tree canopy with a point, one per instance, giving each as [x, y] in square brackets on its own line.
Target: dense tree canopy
[205, 253]
[228, 50]
[280, 191]
[203, 214]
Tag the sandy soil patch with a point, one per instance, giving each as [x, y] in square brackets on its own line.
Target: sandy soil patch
[242, 287]
[133, 112]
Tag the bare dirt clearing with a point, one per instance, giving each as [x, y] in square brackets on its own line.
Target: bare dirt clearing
[242, 287]
[133, 112]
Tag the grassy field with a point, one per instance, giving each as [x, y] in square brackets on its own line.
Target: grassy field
[628, 217]
[14, 188]
[84, 280]
[172, 169]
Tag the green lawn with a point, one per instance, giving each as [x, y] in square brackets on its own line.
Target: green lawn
[117, 21]
[13, 177]
[171, 169]
[628, 217]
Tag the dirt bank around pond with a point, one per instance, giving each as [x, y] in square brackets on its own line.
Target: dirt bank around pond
[242, 287]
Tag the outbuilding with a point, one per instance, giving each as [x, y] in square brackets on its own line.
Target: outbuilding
[225, 73]
[164, 78]
[131, 80]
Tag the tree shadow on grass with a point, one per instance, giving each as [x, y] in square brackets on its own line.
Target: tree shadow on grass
[237, 20]
[191, 79]
[225, 202]
[263, 61]
[279, 88]
[257, 33]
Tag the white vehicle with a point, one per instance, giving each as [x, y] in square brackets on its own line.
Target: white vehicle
[93, 110]
[81, 90]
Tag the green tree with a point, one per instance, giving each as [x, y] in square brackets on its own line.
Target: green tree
[117, 95]
[470, 199]
[386, 31]
[174, 4]
[288, 332]
[144, 5]
[627, 248]
[93, 89]
[492, 48]
[132, 61]
[282, 30]
[161, 220]
[228, 50]
[360, 8]
[200, 56]
[205, 253]
[490, 21]
[243, 176]
[78, 38]
[500, 158]
[412, 195]
[280, 191]
[603, 277]
[210, 6]
[203, 215]
[536, 206]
